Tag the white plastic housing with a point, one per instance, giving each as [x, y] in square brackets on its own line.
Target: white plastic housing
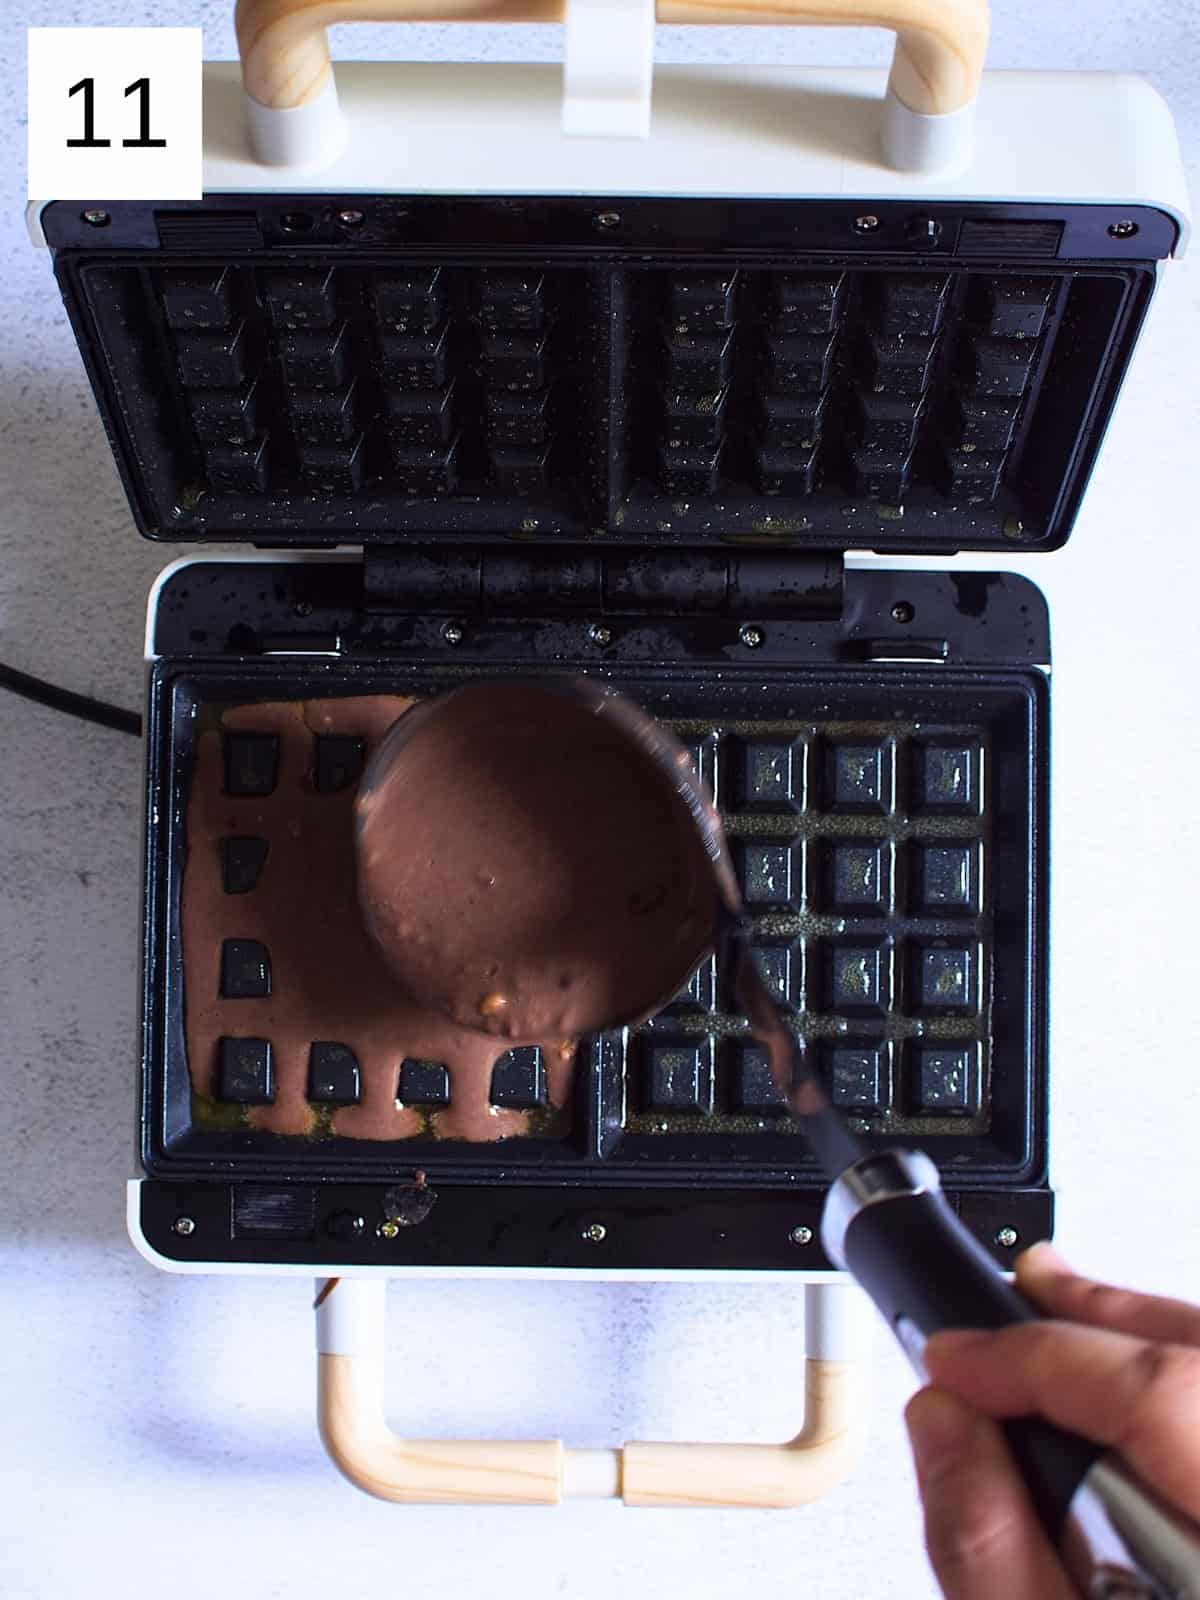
[311, 135]
[608, 69]
[762, 132]
[914, 142]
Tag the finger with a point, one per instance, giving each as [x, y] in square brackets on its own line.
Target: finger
[983, 1538]
[1139, 1397]
[1046, 1278]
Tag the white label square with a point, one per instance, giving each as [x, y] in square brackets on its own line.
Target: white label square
[115, 113]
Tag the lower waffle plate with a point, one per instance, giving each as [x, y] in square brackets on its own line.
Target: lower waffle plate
[885, 825]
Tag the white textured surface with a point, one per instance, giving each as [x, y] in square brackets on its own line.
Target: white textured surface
[160, 1429]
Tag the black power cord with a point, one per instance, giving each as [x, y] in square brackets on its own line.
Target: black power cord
[65, 700]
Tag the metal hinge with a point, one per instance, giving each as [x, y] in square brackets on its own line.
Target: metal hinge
[499, 581]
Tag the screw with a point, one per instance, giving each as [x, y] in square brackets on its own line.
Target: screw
[183, 1226]
[1007, 1237]
[351, 218]
[346, 1225]
[600, 633]
[1125, 229]
[866, 224]
[751, 636]
[452, 633]
[101, 219]
[801, 1235]
[595, 1233]
[388, 1229]
[607, 219]
[902, 611]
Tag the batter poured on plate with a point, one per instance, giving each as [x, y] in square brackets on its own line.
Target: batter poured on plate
[523, 868]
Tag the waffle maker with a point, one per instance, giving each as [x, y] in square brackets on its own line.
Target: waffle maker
[486, 379]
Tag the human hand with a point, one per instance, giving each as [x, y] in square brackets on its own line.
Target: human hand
[1120, 1368]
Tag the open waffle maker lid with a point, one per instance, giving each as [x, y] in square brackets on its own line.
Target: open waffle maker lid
[810, 375]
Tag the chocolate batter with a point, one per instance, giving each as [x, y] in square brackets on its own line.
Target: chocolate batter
[526, 868]
[328, 981]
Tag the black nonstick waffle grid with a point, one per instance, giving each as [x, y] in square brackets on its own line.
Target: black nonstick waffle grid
[884, 830]
[313, 400]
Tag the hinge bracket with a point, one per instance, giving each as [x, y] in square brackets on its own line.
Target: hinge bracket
[499, 581]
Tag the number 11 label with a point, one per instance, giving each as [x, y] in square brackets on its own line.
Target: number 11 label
[114, 114]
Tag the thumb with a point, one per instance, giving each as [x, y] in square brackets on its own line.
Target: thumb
[984, 1541]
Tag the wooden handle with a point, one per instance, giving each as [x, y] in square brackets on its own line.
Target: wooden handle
[424, 1471]
[776, 1476]
[940, 44]
[543, 1472]
[285, 52]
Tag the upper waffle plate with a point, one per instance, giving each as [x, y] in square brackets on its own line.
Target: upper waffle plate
[389, 399]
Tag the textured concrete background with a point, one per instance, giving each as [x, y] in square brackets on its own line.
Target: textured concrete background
[160, 1430]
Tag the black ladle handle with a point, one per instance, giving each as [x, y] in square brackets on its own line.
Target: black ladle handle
[887, 1221]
